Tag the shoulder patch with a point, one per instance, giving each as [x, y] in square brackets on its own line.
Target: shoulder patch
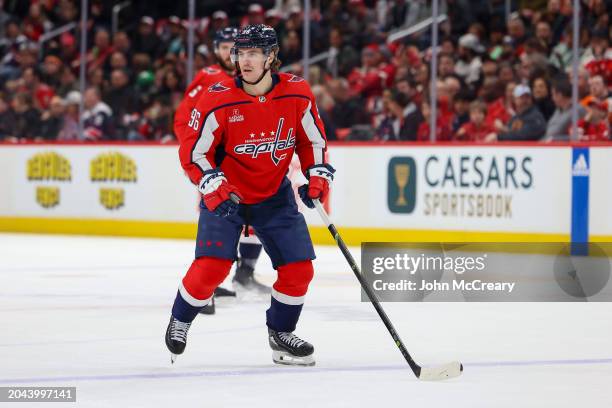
[295, 78]
[217, 88]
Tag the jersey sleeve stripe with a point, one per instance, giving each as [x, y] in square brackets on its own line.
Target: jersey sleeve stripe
[202, 146]
[314, 134]
[198, 156]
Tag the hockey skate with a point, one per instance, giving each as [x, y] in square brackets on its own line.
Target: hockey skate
[209, 309]
[244, 280]
[222, 292]
[176, 337]
[289, 349]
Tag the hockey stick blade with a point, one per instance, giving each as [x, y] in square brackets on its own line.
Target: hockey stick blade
[443, 372]
[450, 370]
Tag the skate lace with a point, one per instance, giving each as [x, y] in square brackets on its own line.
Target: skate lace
[291, 339]
[179, 330]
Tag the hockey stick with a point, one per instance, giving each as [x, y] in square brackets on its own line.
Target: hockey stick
[443, 372]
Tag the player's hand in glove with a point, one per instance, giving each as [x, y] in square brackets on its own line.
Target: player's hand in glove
[220, 197]
[319, 177]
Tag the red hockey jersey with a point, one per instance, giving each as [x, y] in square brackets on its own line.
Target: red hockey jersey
[253, 138]
[203, 79]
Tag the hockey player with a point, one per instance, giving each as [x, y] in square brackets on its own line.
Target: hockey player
[242, 136]
[250, 247]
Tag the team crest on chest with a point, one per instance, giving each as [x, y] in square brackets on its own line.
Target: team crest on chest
[264, 144]
[217, 87]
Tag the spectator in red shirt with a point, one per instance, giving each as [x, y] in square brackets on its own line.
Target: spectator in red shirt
[368, 80]
[502, 109]
[598, 93]
[42, 93]
[477, 129]
[594, 126]
[35, 24]
[443, 132]
[101, 50]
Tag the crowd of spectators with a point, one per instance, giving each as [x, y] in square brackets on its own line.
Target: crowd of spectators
[498, 77]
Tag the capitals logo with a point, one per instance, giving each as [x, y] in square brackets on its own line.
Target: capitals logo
[273, 147]
[217, 87]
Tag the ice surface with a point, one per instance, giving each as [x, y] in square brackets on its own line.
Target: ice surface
[91, 313]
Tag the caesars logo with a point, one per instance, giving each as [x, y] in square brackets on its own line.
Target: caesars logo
[401, 186]
[459, 185]
[48, 167]
[112, 167]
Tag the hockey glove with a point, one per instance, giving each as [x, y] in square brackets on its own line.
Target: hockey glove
[319, 177]
[220, 197]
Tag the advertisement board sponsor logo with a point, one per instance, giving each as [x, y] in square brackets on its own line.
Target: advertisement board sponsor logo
[474, 185]
[48, 167]
[47, 197]
[113, 167]
[401, 185]
[580, 168]
[112, 198]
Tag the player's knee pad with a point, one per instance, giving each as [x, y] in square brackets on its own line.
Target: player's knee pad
[293, 278]
[204, 275]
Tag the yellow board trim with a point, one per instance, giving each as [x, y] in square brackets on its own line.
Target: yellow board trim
[86, 226]
[320, 235]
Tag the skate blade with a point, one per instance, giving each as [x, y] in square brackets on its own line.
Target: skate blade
[173, 358]
[283, 358]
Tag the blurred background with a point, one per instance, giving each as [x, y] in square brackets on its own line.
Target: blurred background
[503, 70]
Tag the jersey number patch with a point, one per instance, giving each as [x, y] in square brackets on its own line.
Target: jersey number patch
[194, 120]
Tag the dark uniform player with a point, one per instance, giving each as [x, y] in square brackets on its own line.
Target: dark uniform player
[250, 247]
[241, 138]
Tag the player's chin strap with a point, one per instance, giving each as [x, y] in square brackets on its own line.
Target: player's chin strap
[258, 79]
